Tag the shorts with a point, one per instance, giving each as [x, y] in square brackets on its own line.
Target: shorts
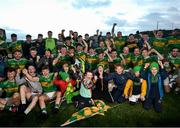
[166, 82]
[51, 95]
[134, 98]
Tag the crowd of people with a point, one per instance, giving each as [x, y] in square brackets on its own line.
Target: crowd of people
[78, 69]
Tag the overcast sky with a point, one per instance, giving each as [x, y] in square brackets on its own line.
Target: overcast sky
[86, 16]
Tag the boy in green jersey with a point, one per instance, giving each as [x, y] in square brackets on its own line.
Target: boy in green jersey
[49, 89]
[12, 96]
[18, 61]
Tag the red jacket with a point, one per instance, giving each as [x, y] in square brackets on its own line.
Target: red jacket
[62, 85]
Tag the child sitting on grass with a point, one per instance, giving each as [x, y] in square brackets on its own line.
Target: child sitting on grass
[85, 97]
[135, 90]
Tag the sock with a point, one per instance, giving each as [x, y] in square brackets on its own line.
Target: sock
[27, 111]
[56, 106]
[23, 101]
[43, 110]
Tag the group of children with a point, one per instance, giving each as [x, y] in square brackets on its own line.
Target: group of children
[77, 71]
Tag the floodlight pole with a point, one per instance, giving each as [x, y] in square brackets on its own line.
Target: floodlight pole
[157, 25]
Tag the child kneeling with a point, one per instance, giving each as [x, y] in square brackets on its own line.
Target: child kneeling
[135, 90]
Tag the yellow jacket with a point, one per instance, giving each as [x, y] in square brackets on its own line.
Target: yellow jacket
[129, 88]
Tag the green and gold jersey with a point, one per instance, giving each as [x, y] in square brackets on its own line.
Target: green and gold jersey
[119, 44]
[74, 43]
[13, 46]
[104, 62]
[159, 44]
[91, 62]
[137, 60]
[131, 46]
[47, 83]
[149, 59]
[63, 59]
[13, 63]
[173, 42]
[81, 56]
[175, 61]
[10, 87]
[127, 58]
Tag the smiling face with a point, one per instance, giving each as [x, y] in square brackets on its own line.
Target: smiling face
[113, 54]
[126, 50]
[45, 72]
[89, 75]
[63, 51]
[11, 75]
[145, 53]
[31, 70]
[33, 53]
[65, 67]
[154, 71]
[174, 52]
[100, 69]
[119, 69]
[136, 51]
[17, 55]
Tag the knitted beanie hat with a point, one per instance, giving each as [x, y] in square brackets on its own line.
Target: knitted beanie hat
[102, 65]
[154, 65]
[137, 69]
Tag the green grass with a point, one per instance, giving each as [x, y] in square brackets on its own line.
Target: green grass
[121, 115]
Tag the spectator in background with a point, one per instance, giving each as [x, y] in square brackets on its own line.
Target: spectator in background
[74, 38]
[87, 39]
[131, 43]
[27, 45]
[158, 42]
[3, 65]
[144, 42]
[40, 45]
[61, 38]
[14, 44]
[119, 40]
[3, 44]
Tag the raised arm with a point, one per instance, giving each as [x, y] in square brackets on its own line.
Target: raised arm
[86, 46]
[55, 61]
[112, 31]
[157, 53]
[109, 57]
[29, 77]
